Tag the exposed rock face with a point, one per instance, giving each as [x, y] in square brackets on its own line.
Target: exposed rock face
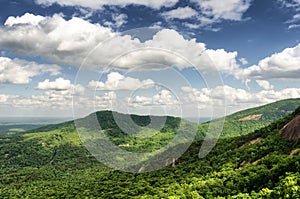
[291, 131]
[252, 117]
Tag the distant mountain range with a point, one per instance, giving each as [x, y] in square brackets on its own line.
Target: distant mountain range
[12, 125]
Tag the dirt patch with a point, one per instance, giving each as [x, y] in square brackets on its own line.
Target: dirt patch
[244, 163]
[249, 162]
[257, 140]
[255, 162]
[251, 117]
[124, 145]
[294, 152]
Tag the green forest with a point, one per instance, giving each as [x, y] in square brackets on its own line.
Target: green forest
[252, 159]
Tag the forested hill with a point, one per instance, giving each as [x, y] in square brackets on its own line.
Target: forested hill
[106, 119]
[247, 121]
[54, 164]
[240, 123]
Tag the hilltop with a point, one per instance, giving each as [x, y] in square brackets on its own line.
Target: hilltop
[105, 121]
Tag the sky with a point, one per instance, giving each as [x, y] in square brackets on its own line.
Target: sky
[190, 58]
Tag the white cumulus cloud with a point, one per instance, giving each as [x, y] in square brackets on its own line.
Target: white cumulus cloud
[70, 41]
[61, 87]
[27, 18]
[116, 81]
[283, 65]
[58, 84]
[17, 71]
[180, 13]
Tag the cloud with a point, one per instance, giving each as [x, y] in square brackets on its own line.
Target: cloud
[293, 26]
[169, 48]
[54, 38]
[116, 81]
[265, 84]
[58, 84]
[296, 18]
[224, 61]
[237, 99]
[293, 5]
[209, 12]
[84, 13]
[17, 71]
[214, 10]
[50, 101]
[163, 98]
[191, 25]
[3, 98]
[27, 18]
[105, 101]
[216, 95]
[100, 3]
[283, 65]
[46, 100]
[70, 41]
[243, 61]
[294, 23]
[60, 92]
[118, 20]
[203, 99]
[180, 13]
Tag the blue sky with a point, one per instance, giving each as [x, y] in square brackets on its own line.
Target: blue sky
[163, 56]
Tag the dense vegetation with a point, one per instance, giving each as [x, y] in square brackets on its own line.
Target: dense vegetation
[55, 164]
[241, 123]
[154, 138]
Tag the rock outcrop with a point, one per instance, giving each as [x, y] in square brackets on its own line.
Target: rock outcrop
[291, 131]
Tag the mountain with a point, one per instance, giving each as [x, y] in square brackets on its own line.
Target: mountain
[55, 164]
[247, 121]
[161, 134]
